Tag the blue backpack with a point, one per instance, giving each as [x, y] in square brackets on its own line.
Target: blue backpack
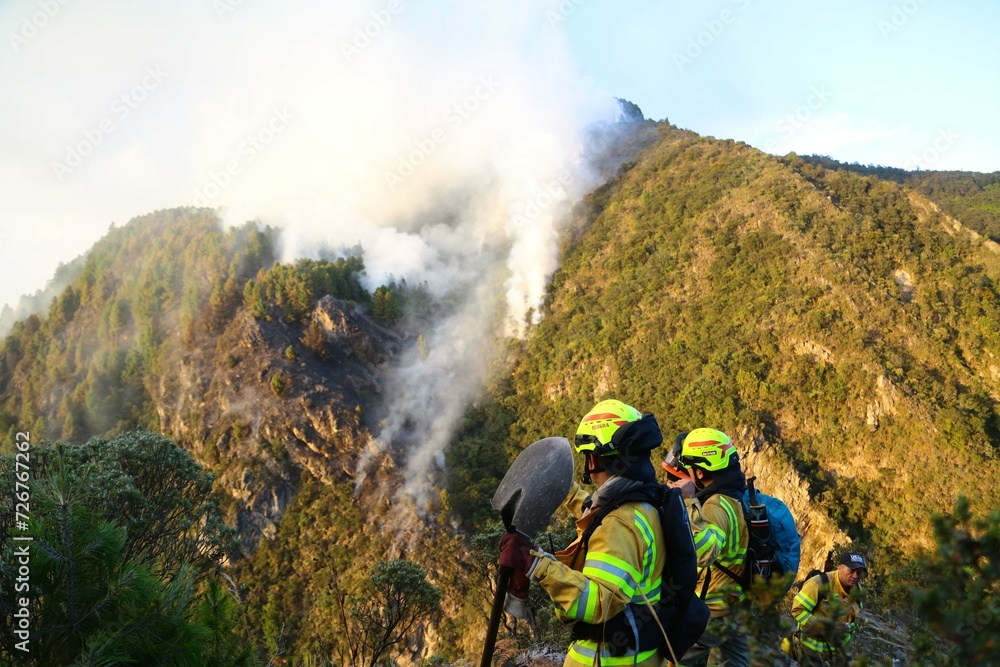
[774, 548]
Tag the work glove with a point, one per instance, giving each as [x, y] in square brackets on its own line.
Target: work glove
[515, 553]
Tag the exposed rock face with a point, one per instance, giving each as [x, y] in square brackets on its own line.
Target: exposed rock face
[885, 400]
[224, 404]
[810, 348]
[905, 282]
[777, 478]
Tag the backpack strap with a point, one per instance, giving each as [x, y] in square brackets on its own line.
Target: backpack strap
[598, 517]
[642, 494]
[742, 581]
[645, 494]
[824, 589]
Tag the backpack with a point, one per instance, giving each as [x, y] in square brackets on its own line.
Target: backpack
[828, 565]
[824, 586]
[774, 548]
[680, 613]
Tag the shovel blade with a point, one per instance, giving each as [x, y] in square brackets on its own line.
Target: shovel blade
[535, 485]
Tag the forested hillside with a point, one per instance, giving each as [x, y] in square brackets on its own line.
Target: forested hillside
[85, 368]
[838, 325]
[268, 374]
[970, 197]
[837, 321]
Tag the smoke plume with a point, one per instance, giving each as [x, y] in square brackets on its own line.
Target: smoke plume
[448, 139]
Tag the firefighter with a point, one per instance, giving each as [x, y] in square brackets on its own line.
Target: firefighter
[607, 581]
[826, 609]
[720, 532]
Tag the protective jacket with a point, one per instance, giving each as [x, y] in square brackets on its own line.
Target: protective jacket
[596, 585]
[720, 537]
[825, 614]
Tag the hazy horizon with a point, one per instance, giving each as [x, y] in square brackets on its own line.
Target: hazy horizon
[300, 115]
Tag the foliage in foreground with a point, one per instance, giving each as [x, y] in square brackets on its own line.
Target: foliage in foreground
[125, 532]
[395, 600]
[955, 588]
[961, 603]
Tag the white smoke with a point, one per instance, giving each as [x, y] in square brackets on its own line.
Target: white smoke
[471, 203]
[445, 138]
[466, 154]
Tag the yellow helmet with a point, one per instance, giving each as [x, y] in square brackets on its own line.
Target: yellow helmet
[706, 448]
[598, 428]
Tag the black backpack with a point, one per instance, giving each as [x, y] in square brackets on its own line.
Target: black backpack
[823, 578]
[680, 612]
[774, 543]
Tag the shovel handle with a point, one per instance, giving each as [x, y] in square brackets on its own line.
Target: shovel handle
[503, 579]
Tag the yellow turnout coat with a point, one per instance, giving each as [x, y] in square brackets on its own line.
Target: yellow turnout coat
[624, 556]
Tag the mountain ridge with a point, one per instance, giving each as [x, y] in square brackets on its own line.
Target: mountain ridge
[840, 294]
[838, 325]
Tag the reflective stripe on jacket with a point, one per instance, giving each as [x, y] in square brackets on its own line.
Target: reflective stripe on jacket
[720, 536]
[822, 621]
[623, 556]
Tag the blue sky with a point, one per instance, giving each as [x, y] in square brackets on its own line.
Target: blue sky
[163, 95]
[872, 81]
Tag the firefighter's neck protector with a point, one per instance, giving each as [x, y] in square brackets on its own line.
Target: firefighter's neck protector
[632, 444]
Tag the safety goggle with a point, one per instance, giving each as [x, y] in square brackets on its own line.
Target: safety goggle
[588, 439]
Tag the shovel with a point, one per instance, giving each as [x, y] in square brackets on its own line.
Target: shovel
[529, 494]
